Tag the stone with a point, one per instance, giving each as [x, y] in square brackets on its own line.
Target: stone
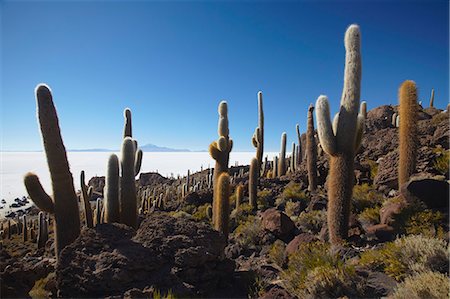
[278, 223]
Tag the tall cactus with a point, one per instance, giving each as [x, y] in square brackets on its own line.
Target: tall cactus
[128, 199]
[407, 131]
[339, 139]
[311, 151]
[220, 151]
[394, 119]
[253, 184]
[293, 157]
[85, 198]
[299, 151]
[282, 159]
[25, 228]
[43, 231]
[239, 195]
[258, 136]
[221, 211]
[432, 98]
[111, 191]
[65, 203]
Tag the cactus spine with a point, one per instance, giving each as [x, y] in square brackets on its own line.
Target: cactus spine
[111, 191]
[258, 136]
[222, 207]
[220, 151]
[407, 131]
[311, 151]
[64, 204]
[339, 139]
[282, 159]
[299, 151]
[253, 184]
[432, 98]
[85, 197]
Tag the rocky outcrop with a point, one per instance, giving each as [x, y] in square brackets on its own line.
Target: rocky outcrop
[166, 253]
[278, 223]
[152, 178]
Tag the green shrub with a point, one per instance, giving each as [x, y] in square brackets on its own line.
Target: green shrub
[289, 208]
[408, 255]
[293, 192]
[312, 221]
[313, 270]
[373, 168]
[264, 197]
[425, 222]
[365, 196]
[428, 284]
[249, 232]
[370, 216]
[200, 214]
[441, 163]
[276, 253]
[180, 214]
[190, 209]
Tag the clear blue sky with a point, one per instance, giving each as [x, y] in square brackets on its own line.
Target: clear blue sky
[172, 63]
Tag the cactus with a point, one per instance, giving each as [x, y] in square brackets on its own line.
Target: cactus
[127, 131]
[111, 191]
[340, 139]
[209, 212]
[311, 151]
[9, 228]
[282, 159]
[85, 197]
[408, 131]
[293, 161]
[432, 98]
[25, 228]
[220, 151]
[253, 184]
[64, 204]
[127, 199]
[239, 195]
[394, 119]
[299, 150]
[275, 167]
[258, 136]
[43, 231]
[221, 209]
[188, 180]
[397, 121]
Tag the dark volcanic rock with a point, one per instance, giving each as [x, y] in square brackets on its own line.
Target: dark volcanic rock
[382, 232]
[152, 178]
[165, 252]
[278, 223]
[433, 193]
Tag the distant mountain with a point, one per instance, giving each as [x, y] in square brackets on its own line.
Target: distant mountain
[154, 148]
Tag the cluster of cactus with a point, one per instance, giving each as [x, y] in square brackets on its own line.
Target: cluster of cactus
[341, 138]
[220, 152]
[64, 205]
[22, 227]
[407, 131]
[258, 136]
[311, 151]
[120, 190]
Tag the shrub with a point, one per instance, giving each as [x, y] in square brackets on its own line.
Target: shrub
[365, 196]
[276, 253]
[240, 215]
[190, 209]
[248, 233]
[373, 168]
[264, 198]
[370, 216]
[313, 270]
[424, 285]
[426, 222]
[290, 208]
[441, 162]
[200, 214]
[408, 255]
[312, 221]
[180, 214]
[292, 192]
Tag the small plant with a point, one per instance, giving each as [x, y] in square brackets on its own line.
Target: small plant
[424, 285]
[313, 270]
[200, 214]
[441, 163]
[276, 253]
[293, 192]
[407, 256]
[370, 216]
[257, 288]
[249, 232]
[373, 168]
[312, 221]
[365, 196]
[264, 199]
[425, 222]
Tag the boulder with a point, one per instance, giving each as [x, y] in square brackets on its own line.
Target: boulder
[434, 193]
[389, 210]
[168, 253]
[278, 223]
[382, 232]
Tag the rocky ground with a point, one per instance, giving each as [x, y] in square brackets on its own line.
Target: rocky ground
[398, 238]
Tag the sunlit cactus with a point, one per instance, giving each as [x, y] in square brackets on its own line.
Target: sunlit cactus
[258, 136]
[253, 184]
[340, 138]
[111, 190]
[64, 204]
[282, 159]
[221, 210]
[311, 151]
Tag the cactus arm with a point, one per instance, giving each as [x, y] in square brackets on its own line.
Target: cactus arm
[324, 127]
[335, 123]
[90, 191]
[37, 193]
[86, 204]
[346, 127]
[138, 162]
[360, 125]
[214, 150]
[127, 130]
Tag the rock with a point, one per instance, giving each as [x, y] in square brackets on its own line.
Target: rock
[278, 223]
[165, 252]
[153, 178]
[317, 202]
[378, 284]
[387, 174]
[297, 241]
[199, 198]
[389, 210]
[276, 292]
[434, 193]
[97, 183]
[382, 232]
[441, 134]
